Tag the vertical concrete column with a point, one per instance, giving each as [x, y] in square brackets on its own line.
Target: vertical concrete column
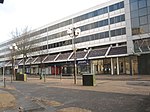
[112, 67]
[117, 66]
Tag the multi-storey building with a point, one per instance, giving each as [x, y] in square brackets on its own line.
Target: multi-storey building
[114, 39]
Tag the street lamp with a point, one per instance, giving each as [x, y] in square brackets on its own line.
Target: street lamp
[86, 50]
[13, 48]
[73, 33]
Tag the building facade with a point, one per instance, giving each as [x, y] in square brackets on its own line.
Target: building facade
[114, 39]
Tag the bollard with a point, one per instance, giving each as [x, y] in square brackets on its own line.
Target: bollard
[4, 82]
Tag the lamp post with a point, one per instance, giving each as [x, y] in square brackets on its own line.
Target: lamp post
[13, 48]
[73, 33]
[86, 50]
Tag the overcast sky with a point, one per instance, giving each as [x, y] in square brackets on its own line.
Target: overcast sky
[36, 13]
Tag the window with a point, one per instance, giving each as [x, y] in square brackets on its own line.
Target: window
[148, 18]
[121, 4]
[148, 10]
[123, 18]
[143, 20]
[134, 14]
[144, 29]
[117, 19]
[134, 6]
[142, 3]
[117, 32]
[113, 33]
[148, 2]
[112, 21]
[116, 6]
[135, 23]
[142, 11]
[133, 1]
[123, 31]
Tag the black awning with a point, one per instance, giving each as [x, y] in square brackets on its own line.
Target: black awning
[18, 61]
[63, 56]
[79, 54]
[30, 60]
[97, 52]
[118, 50]
[50, 58]
[39, 59]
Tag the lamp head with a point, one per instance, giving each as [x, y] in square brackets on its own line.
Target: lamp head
[69, 31]
[77, 31]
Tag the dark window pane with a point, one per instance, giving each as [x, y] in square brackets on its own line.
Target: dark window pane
[123, 31]
[143, 20]
[122, 5]
[106, 34]
[95, 13]
[111, 20]
[142, 3]
[123, 18]
[110, 8]
[112, 33]
[118, 32]
[105, 10]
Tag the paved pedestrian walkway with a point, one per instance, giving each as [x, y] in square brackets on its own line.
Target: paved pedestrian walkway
[117, 84]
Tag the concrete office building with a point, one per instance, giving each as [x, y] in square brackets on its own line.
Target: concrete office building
[114, 39]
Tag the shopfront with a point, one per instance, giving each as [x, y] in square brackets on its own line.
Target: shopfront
[115, 66]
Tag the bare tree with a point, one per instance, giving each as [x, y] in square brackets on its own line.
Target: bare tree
[23, 42]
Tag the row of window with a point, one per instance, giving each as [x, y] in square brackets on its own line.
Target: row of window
[91, 14]
[81, 18]
[83, 28]
[94, 25]
[116, 6]
[117, 19]
[116, 32]
[140, 16]
[140, 12]
[76, 19]
[97, 36]
[138, 4]
[101, 23]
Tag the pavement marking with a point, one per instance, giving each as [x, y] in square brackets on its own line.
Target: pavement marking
[73, 109]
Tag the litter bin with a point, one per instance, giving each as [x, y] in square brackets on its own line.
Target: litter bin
[88, 79]
[21, 77]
